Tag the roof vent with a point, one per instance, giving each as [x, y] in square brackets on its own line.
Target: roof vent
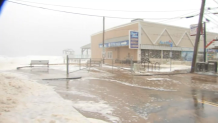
[138, 19]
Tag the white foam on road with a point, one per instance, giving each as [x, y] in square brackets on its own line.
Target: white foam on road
[96, 121]
[76, 92]
[64, 68]
[157, 79]
[129, 84]
[97, 107]
[26, 101]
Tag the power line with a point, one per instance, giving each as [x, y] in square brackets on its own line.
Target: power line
[180, 17]
[211, 17]
[213, 22]
[81, 13]
[101, 9]
[215, 1]
[212, 8]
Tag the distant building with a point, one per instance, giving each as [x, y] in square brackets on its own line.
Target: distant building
[147, 40]
[68, 52]
[85, 51]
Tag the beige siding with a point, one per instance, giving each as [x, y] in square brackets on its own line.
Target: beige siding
[96, 52]
[124, 51]
[114, 33]
[151, 33]
[160, 32]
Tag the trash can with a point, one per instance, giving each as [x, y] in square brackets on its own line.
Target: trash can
[206, 66]
[201, 66]
[212, 65]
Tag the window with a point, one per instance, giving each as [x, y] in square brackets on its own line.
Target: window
[110, 55]
[175, 54]
[151, 54]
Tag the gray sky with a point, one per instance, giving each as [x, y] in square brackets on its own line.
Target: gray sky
[33, 31]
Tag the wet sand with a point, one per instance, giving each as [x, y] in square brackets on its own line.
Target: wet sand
[117, 96]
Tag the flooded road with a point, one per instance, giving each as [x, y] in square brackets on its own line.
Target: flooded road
[117, 96]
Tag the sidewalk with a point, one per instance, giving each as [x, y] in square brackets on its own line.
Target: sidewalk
[207, 73]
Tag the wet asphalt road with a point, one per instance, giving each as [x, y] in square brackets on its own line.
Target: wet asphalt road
[121, 97]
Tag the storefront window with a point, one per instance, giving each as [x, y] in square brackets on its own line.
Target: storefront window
[110, 55]
[166, 54]
[175, 54]
[151, 54]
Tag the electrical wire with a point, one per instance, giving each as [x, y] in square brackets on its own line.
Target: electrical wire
[100, 9]
[180, 17]
[215, 1]
[81, 13]
[212, 8]
[212, 18]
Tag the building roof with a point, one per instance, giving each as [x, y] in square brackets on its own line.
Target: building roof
[87, 46]
[69, 50]
[117, 39]
[123, 25]
[142, 21]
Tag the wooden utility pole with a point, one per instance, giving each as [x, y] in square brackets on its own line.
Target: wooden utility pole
[197, 36]
[103, 54]
[205, 41]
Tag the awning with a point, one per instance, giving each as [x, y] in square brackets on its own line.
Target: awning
[155, 47]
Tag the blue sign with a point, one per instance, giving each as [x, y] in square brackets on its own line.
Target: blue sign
[212, 50]
[115, 44]
[134, 40]
[166, 43]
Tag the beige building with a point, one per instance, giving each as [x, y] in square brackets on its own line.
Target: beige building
[155, 41]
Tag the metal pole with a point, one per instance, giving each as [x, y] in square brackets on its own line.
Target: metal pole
[170, 57]
[79, 63]
[205, 40]
[90, 65]
[197, 37]
[112, 64]
[131, 66]
[67, 64]
[103, 39]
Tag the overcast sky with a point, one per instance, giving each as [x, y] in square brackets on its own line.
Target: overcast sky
[25, 30]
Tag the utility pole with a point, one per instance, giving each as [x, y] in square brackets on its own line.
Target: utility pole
[197, 37]
[103, 54]
[205, 41]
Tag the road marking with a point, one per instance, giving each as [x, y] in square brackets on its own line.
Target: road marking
[209, 103]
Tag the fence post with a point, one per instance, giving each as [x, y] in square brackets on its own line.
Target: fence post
[67, 65]
[90, 64]
[112, 64]
[148, 65]
[80, 63]
[131, 66]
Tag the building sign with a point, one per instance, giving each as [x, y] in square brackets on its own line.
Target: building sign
[212, 50]
[115, 44]
[133, 40]
[194, 28]
[166, 43]
[212, 54]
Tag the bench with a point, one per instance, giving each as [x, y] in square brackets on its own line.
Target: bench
[36, 62]
[39, 62]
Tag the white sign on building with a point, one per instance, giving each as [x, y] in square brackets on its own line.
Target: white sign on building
[194, 28]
